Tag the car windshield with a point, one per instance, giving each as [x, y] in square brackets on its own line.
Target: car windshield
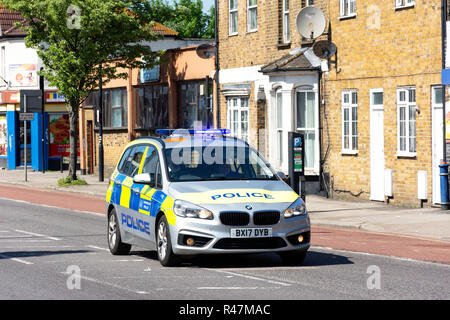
[216, 163]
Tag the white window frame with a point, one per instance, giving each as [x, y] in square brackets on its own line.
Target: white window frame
[314, 170]
[279, 129]
[404, 4]
[349, 106]
[286, 22]
[346, 8]
[407, 101]
[233, 11]
[250, 8]
[240, 109]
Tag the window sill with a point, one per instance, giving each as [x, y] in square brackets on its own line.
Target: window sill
[349, 153]
[350, 16]
[409, 6]
[406, 155]
[107, 130]
[284, 45]
[233, 34]
[252, 31]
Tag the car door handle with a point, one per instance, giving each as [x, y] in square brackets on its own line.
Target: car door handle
[136, 191]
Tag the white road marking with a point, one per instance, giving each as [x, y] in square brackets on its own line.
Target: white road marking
[228, 288]
[105, 283]
[284, 284]
[38, 235]
[98, 248]
[5, 256]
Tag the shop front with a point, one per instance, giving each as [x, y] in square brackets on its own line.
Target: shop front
[53, 124]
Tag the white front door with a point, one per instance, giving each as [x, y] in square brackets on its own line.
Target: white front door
[437, 140]
[376, 145]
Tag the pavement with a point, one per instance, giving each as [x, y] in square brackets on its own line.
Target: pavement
[427, 223]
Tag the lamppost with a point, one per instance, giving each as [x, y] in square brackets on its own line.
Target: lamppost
[100, 131]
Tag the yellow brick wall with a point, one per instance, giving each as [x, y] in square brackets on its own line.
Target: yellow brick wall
[402, 48]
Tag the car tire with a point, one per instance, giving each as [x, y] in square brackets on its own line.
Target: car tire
[164, 244]
[115, 244]
[293, 257]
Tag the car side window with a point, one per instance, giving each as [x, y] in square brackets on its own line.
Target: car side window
[151, 165]
[133, 162]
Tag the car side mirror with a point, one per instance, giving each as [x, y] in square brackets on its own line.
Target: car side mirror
[281, 175]
[144, 178]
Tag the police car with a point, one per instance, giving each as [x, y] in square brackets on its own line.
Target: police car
[192, 192]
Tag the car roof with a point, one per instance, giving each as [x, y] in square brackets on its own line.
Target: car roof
[187, 141]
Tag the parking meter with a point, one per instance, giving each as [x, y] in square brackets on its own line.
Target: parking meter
[296, 156]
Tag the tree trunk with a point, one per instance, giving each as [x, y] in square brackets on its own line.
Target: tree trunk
[73, 115]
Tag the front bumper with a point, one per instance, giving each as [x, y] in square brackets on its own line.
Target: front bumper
[213, 237]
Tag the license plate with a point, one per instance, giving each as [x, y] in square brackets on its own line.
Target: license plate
[251, 233]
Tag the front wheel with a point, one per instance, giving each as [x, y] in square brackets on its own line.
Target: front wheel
[116, 246]
[164, 244]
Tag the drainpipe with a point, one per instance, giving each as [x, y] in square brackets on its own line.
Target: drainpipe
[216, 34]
[444, 166]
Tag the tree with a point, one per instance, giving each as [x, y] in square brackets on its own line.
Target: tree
[184, 16]
[74, 37]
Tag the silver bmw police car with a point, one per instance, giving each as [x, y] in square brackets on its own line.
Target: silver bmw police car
[196, 192]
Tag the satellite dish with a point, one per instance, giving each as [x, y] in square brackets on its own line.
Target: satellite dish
[206, 51]
[324, 49]
[311, 22]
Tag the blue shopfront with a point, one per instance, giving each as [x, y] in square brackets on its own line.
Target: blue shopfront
[12, 135]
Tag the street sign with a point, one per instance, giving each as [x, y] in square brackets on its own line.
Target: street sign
[26, 116]
[34, 101]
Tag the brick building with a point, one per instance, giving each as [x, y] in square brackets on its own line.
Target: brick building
[373, 123]
[172, 95]
[268, 86]
[383, 101]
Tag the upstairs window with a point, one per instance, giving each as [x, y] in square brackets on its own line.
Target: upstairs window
[286, 31]
[233, 17]
[348, 8]
[252, 15]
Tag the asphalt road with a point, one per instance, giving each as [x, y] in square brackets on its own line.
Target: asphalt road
[50, 253]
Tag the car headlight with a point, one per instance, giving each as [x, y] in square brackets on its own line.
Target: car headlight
[298, 208]
[189, 210]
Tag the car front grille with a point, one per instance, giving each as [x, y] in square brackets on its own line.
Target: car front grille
[235, 218]
[250, 243]
[266, 218]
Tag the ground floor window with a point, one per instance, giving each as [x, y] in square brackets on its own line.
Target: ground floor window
[349, 121]
[238, 116]
[195, 103]
[406, 121]
[153, 107]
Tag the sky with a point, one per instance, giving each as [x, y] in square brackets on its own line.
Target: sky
[206, 4]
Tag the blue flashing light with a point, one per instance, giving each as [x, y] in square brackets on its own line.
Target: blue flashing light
[168, 132]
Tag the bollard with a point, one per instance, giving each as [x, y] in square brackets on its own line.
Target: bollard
[444, 186]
